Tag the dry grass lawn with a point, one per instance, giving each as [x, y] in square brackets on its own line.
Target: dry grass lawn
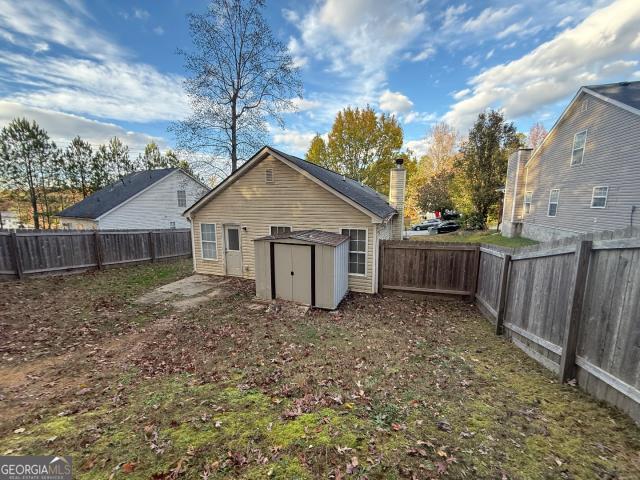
[387, 387]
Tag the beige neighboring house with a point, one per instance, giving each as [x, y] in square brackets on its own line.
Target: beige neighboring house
[273, 193]
[585, 176]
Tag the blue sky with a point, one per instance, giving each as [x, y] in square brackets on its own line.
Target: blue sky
[105, 68]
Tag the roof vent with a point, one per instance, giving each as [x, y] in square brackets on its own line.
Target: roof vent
[623, 84]
[344, 178]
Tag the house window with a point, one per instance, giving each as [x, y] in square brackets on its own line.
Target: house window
[208, 241]
[276, 229]
[172, 224]
[182, 198]
[357, 250]
[579, 140]
[599, 197]
[554, 196]
[268, 175]
[527, 202]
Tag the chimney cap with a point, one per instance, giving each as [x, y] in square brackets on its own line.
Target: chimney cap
[399, 162]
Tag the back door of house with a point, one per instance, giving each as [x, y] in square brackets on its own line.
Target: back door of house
[292, 265]
[233, 250]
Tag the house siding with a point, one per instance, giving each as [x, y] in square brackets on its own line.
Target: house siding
[611, 158]
[157, 206]
[292, 199]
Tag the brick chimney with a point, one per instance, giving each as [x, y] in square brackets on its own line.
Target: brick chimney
[397, 184]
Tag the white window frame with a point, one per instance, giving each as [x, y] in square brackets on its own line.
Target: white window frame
[185, 198]
[573, 148]
[526, 211]
[266, 176]
[366, 250]
[280, 226]
[606, 196]
[557, 202]
[202, 242]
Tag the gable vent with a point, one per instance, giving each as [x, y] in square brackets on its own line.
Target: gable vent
[268, 175]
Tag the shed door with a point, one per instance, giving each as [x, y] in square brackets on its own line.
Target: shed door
[292, 267]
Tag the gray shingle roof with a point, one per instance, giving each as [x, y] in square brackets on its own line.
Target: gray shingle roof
[113, 195]
[363, 195]
[623, 92]
[312, 236]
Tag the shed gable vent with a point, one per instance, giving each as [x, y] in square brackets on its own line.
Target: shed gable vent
[268, 175]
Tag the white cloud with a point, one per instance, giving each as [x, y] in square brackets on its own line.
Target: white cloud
[471, 61]
[140, 13]
[360, 38]
[53, 23]
[158, 30]
[62, 127]
[297, 53]
[565, 21]
[426, 53]
[489, 18]
[418, 147]
[303, 104]
[490, 53]
[293, 141]
[395, 102]
[555, 69]
[113, 90]
[452, 14]
[461, 93]
[419, 117]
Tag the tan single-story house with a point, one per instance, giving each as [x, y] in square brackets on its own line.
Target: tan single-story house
[274, 192]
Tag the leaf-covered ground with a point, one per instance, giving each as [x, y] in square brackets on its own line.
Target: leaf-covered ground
[387, 387]
[480, 236]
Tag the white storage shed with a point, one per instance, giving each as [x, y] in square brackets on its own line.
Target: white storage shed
[310, 267]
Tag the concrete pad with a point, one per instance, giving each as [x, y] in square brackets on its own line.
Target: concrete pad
[188, 292]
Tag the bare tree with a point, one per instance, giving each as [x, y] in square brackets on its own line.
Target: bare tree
[240, 76]
[537, 134]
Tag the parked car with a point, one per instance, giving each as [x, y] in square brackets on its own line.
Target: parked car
[426, 225]
[445, 227]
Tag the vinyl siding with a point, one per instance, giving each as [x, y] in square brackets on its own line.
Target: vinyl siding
[157, 206]
[292, 200]
[611, 158]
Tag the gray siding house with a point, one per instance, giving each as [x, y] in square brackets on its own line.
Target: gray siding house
[151, 199]
[585, 176]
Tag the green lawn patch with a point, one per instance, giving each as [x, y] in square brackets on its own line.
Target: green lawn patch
[484, 236]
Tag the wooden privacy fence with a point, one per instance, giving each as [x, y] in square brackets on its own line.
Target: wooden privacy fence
[572, 305]
[25, 253]
[425, 267]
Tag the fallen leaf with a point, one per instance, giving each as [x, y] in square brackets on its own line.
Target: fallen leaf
[129, 467]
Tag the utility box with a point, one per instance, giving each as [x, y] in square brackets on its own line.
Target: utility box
[310, 267]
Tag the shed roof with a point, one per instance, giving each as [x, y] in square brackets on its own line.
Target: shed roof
[113, 195]
[312, 236]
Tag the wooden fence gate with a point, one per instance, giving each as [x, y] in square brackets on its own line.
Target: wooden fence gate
[422, 267]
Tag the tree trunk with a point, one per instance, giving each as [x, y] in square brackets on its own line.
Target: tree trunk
[234, 136]
[34, 207]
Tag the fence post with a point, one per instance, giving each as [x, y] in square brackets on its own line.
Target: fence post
[476, 272]
[152, 246]
[502, 293]
[97, 240]
[574, 312]
[380, 265]
[15, 247]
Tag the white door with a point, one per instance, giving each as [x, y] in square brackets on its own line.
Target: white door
[232, 250]
[292, 269]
